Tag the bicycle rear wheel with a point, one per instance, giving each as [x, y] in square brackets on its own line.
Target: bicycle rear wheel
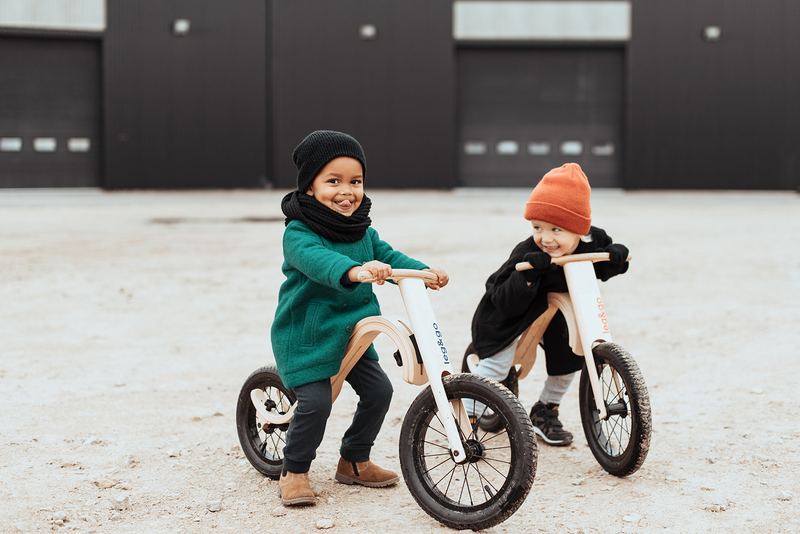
[620, 442]
[263, 445]
[496, 477]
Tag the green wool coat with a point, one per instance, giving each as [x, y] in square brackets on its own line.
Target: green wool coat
[316, 313]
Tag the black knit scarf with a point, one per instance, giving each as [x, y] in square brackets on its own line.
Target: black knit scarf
[324, 221]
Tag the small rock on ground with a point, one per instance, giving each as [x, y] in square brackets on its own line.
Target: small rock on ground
[105, 483]
[325, 523]
[120, 502]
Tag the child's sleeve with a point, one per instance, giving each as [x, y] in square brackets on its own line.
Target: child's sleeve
[305, 251]
[508, 288]
[604, 270]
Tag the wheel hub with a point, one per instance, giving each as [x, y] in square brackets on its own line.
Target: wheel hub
[619, 408]
[474, 450]
[271, 406]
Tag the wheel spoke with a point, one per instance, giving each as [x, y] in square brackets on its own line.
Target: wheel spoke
[482, 478]
[440, 424]
[503, 448]
[489, 461]
[492, 436]
[434, 444]
[492, 459]
[465, 484]
[277, 440]
[452, 473]
[427, 471]
[472, 426]
[445, 454]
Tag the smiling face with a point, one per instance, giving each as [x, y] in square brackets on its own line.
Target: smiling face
[554, 240]
[339, 185]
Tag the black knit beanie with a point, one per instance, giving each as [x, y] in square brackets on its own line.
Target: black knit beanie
[320, 147]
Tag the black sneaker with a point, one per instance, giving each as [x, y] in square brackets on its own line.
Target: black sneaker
[547, 426]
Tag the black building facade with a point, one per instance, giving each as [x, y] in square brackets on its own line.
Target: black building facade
[687, 94]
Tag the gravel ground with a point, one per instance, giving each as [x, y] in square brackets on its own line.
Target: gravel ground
[129, 321]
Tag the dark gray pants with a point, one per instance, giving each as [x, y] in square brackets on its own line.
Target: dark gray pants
[307, 428]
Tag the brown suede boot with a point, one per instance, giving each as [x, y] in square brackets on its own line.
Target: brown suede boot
[296, 489]
[364, 473]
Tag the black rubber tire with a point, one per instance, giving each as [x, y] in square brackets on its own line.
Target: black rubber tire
[620, 442]
[490, 421]
[263, 447]
[495, 480]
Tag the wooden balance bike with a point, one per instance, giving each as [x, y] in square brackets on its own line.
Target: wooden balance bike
[460, 474]
[613, 398]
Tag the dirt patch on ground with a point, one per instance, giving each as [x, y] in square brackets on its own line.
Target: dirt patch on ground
[129, 321]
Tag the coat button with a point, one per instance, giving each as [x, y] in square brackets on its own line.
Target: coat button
[344, 305]
[366, 301]
[349, 329]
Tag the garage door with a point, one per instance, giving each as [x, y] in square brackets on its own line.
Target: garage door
[523, 112]
[49, 112]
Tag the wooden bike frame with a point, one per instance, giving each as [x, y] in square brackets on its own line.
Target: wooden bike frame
[422, 351]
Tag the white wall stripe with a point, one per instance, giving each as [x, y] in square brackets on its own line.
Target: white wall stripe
[75, 15]
[603, 20]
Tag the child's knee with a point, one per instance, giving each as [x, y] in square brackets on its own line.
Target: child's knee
[381, 394]
[319, 407]
[314, 400]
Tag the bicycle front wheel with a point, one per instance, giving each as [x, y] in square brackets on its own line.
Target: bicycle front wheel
[619, 442]
[263, 445]
[495, 479]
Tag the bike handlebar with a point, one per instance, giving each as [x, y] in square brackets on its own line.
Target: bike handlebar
[399, 274]
[593, 257]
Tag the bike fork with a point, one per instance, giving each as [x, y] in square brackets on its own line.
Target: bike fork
[590, 316]
[435, 357]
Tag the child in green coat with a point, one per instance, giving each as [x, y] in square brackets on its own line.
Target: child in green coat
[328, 241]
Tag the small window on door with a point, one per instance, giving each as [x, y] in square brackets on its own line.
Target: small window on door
[539, 148]
[606, 149]
[571, 148]
[10, 144]
[45, 144]
[79, 144]
[507, 148]
[475, 148]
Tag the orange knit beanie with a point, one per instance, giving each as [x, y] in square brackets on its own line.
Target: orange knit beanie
[562, 198]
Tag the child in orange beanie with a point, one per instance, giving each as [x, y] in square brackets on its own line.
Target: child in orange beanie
[560, 212]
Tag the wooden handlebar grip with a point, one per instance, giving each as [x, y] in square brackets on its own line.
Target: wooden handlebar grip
[399, 274]
[593, 257]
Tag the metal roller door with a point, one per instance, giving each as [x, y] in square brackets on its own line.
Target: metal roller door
[522, 112]
[49, 112]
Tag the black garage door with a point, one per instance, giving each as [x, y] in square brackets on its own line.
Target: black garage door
[523, 112]
[49, 112]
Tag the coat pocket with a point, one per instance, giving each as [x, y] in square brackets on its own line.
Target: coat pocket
[308, 336]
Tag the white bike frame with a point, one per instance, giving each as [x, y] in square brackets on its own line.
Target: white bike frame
[421, 337]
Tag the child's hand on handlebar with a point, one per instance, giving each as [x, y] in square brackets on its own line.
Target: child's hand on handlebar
[439, 284]
[617, 253]
[540, 261]
[378, 270]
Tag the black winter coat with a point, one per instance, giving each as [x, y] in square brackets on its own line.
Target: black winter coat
[510, 305]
